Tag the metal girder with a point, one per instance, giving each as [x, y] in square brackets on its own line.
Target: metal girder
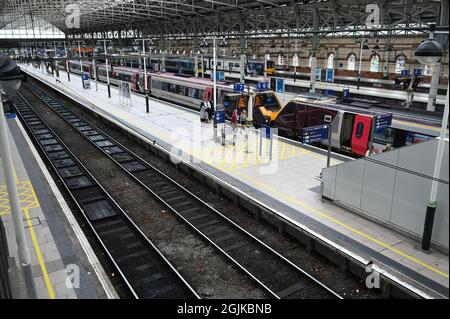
[188, 18]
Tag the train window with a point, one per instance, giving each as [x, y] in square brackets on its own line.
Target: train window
[156, 85]
[200, 94]
[124, 77]
[359, 130]
[192, 92]
[237, 65]
[165, 86]
[385, 136]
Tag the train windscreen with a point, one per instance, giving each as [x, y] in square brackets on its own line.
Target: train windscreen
[267, 100]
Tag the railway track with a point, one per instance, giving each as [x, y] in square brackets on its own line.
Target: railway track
[145, 271]
[273, 272]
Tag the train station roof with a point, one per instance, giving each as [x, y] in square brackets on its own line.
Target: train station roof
[233, 18]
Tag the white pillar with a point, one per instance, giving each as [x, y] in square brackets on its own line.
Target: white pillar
[313, 73]
[431, 105]
[439, 153]
[242, 68]
[16, 214]
[214, 74]
[145, 66]
[79, 54]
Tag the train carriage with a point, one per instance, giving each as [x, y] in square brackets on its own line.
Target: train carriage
[351, 127]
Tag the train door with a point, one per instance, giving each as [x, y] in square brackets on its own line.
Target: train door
[208, 93]
[361, 134]
[347, 130]
[134, 82]
[336, 126]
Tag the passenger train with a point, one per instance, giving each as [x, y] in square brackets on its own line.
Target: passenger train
[351, 126]
[185, 89]
[395, 84]
[252, 66]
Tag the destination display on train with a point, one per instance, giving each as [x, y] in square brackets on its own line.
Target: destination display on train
[315, 133]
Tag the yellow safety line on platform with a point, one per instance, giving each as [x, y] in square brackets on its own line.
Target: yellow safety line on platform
[47, 281]
[432, 128]
[314, 210]
[34, 203]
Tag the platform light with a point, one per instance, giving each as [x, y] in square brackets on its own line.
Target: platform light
[429, 52]
[376, 46]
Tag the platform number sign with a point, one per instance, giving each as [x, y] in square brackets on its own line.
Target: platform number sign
[405, 73]
[262, 86]
[239, 87]
[417, 72]
[219, 117]
[383, 121]
[220, 76]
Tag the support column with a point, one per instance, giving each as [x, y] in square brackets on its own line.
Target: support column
[431, 105]
[314, 49]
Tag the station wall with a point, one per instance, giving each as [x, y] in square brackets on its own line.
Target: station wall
[394, 188]
[340, 47]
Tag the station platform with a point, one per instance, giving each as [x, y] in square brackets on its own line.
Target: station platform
[64, 265]
[288, 183]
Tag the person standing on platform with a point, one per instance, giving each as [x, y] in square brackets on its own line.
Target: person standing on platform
[243, 117]
[234, 123]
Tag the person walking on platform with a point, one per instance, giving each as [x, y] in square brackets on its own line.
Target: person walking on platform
[243, 117]
[203, 112]
[234, 123]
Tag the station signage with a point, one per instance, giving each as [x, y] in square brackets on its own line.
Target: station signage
[280, 85]
[417, 72]
[262, 86]
[220, 76]
[330, 75]
[383, 121]
[10, 115]
[405, 72]
[239, 87]
[318, 74]
[86, 81]
[219, 117]
[315, 133]
[267, 132]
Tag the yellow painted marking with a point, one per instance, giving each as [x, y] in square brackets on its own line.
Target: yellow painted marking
[316, 211]
[47, 281]
[283, 149]
[432, 128]
[27, 200]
